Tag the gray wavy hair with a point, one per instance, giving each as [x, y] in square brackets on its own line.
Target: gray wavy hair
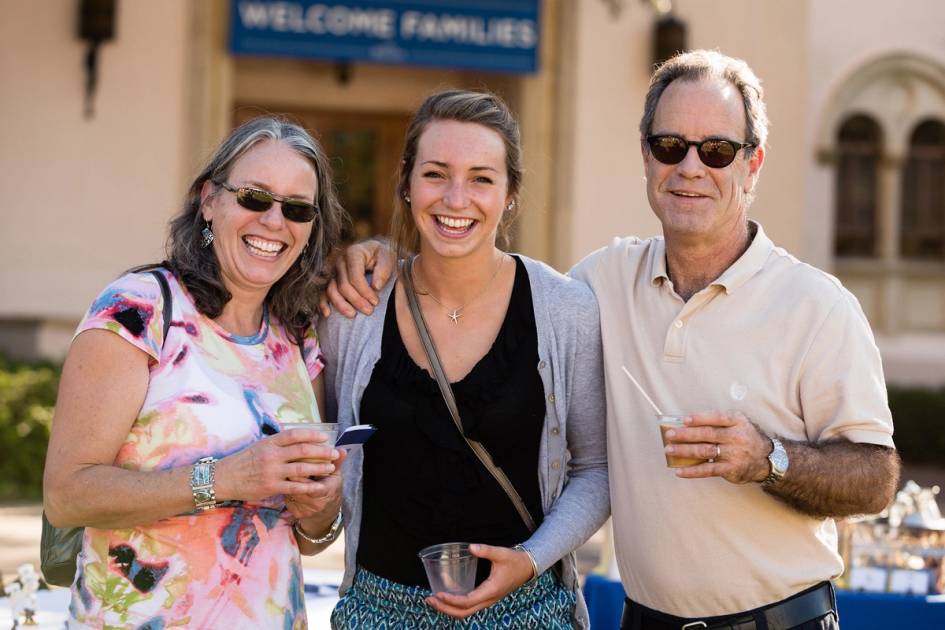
[697, 65]
[292, 299]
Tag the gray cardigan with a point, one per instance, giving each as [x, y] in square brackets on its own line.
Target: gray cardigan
[572, 464]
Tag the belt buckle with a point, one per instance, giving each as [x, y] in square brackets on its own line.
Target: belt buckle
[694, 624]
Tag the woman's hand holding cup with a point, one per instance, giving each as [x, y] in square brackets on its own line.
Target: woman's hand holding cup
[276, 465]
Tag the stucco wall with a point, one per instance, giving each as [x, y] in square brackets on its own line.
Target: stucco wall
[606, 195]
[86, 198]
[844, 36]
[612, 72]
[886, 34]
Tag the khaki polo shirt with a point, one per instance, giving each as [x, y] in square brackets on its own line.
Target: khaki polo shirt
[772, 337]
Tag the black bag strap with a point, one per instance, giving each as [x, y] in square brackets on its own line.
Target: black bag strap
[168, 303]
[447, 391]
[60, 546]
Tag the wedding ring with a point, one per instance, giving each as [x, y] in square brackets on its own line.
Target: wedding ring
[718, 451]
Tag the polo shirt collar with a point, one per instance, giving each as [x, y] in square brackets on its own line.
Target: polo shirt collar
[747, 265]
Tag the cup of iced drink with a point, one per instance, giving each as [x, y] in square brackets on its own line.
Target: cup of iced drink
[328, 428]
[667, 422]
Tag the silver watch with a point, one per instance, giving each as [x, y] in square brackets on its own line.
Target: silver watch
[778, 460]
[201, 484]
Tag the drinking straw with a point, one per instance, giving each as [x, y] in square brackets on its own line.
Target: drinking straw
[640, 389]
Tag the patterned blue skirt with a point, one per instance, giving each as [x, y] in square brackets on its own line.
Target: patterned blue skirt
[375, 603]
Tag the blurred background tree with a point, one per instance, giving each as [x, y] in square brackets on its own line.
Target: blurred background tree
[27, 397]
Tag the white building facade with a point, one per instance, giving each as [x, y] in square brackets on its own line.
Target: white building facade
[855, 91]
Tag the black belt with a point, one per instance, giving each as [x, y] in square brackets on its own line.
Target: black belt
[813, 603]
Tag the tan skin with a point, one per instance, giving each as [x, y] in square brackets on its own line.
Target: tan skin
[460, 175]
[704, 214]
[105, 380]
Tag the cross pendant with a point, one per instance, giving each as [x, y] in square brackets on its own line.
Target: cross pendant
[455, 315]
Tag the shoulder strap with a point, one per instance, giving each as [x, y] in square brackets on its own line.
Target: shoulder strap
[299, 337]
[168, 304]
[447, 391]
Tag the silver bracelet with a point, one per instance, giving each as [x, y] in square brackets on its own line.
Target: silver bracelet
[332, 534]
[201, 484]
[531, 559]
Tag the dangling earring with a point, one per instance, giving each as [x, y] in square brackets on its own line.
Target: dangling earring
[301, 259]
[206, 236]
[511, 205]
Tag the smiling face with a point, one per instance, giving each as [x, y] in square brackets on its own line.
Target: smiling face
[692, 200]
[255, 249]
[458, 188]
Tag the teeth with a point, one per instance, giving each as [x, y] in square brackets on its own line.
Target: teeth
[685, 194]
[460, 224]
[264, 246]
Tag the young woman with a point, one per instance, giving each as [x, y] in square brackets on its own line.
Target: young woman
[520, 345]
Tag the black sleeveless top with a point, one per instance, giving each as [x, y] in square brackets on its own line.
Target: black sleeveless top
[422, 483]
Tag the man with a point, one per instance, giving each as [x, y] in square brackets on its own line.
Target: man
[771, 360]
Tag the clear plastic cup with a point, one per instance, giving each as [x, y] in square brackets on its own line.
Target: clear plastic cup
[667, 422]
[328, 428]
[450, 567]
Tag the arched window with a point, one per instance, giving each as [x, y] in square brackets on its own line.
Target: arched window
[858, 150]
[923, 194]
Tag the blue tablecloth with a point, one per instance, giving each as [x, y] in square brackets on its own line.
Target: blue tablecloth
[858, 611]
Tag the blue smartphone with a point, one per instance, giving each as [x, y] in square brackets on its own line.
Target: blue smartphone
[355, 436]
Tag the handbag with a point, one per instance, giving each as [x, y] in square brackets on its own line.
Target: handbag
[59, 547]
[447, 392]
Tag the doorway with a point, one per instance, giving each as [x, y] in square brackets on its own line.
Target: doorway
[364, 149]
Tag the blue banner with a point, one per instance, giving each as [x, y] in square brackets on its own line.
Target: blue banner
[498, 35]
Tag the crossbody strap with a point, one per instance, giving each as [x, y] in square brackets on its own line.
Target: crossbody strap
[168, 304]
[447, 391]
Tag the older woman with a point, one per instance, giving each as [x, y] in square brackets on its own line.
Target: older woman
[171, 450]
[520, 347]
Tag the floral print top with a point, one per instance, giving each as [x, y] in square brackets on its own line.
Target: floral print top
[211, 393]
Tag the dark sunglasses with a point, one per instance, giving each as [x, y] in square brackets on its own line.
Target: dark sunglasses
[261, 200]
[714, 152]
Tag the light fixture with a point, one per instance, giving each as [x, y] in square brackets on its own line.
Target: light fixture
[96, 25]
[669, 37]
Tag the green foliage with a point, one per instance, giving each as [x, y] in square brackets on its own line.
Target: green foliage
[919, 421]
[27, 397]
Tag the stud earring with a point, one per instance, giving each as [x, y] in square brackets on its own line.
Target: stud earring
[407, 198]
[511, 205]
[206, 236]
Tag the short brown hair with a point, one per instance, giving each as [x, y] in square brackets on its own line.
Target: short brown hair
[696, 65]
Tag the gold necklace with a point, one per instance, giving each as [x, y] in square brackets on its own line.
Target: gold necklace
[456, 313]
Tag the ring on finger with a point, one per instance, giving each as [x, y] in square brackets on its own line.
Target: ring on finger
[718, 451]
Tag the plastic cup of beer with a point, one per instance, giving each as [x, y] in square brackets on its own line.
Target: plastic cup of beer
[328, 428]
[450, 567]
[667, 422]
